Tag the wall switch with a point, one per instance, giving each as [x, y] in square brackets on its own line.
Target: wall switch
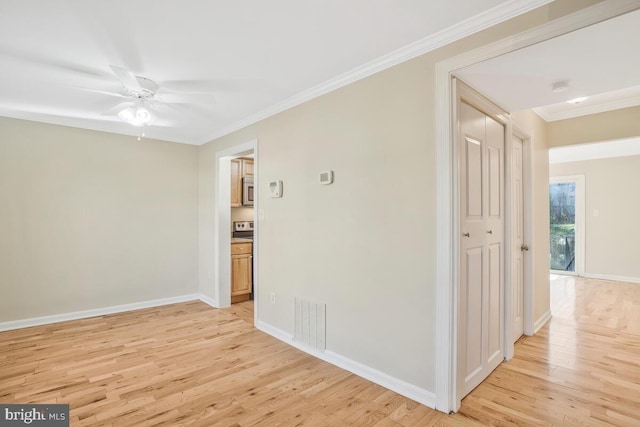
[326, 177]
[273, 297]
[596, 212]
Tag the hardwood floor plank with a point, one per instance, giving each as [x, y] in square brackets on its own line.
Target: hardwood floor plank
[189, 364]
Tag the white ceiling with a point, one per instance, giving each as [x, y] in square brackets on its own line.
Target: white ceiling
[253, 54]
[602, 58]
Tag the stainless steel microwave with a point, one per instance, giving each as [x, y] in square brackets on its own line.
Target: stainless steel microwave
[247, 191]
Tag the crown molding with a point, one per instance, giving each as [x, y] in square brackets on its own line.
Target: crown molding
[548, 116]
[484, 20]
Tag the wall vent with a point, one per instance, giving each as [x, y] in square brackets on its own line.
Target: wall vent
[309, 321]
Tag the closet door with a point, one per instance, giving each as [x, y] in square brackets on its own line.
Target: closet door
[481, 277]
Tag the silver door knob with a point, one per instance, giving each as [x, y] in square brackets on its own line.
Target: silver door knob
[489, 231]
[524, 247]
[466, 234]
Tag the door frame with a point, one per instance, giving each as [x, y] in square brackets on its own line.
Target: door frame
[222, 224]
[446, 216]
[579, 222]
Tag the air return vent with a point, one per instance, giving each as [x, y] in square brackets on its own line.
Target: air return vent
[309, 321]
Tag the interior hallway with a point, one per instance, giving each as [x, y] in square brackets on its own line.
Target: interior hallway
[582, 368]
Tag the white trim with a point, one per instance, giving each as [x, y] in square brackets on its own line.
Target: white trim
[541, 321]
[256, 227]
[446, 274]
[75, 315]
[404, 388]
[612, 277]
[630, 101]
[446, 261]
[562, 272]
[208, 300]
[486, 19]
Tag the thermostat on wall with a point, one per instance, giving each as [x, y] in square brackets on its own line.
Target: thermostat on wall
[326, 177]
[275, 189]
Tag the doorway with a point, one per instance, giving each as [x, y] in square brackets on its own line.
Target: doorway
[447, 261]
[482, 135]
[223, 223]
[494, 287]
[566, 225]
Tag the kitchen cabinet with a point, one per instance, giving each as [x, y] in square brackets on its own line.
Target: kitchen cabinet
[236, 183]
[247, 167]
[241, 271]
[240, 168]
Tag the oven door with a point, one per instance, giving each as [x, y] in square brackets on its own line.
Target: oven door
[247, 191]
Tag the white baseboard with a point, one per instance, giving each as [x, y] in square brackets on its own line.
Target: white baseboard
[541, 322]
[610, 277]
[55, 318]
[208, 300]
[411, 391]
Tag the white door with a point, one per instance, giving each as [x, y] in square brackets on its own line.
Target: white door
[517, 226]
[480, 294]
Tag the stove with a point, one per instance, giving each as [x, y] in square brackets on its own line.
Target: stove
[243, 229]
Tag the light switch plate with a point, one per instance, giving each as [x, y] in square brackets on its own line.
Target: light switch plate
[326, 177]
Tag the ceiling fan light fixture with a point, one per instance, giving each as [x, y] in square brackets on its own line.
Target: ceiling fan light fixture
[143, 115]
[138, 116]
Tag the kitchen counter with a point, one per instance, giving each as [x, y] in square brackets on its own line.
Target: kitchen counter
[240, 240]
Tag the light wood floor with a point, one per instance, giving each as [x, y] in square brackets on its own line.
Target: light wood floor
[188, 364]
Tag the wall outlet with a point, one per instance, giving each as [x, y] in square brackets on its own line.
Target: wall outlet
[273, 297]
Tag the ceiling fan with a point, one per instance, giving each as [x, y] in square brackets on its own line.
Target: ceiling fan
[144, 94]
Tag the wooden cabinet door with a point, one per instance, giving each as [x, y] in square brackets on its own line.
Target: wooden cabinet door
[236, 183]
[247, 167]
[240, 274]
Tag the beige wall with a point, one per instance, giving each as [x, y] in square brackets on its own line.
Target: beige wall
[617, 124]
[366, 244]
[90, 219]
[611, 237]
[537, 130]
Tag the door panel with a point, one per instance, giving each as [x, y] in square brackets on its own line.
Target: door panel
[473, 157]
[473, 292]
[481, 279]
[517, 279]
[493, 307]
[495, 183]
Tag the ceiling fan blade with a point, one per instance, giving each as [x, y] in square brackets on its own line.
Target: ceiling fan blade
[183, 109]
[217, 85]
[113, 111]
[187, 98]
[127, 78]
[102, 92]
[54, 64]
